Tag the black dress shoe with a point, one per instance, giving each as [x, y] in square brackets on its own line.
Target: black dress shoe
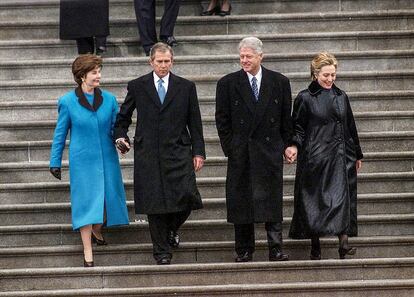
[164, 261]
[277, 255]
[225, 12]
[246, 257]
[87, 264]
[98, 241]
[100, 50]
[170, 40]
[315, 255]
[173, 239]
[346, 251]
[215, 10]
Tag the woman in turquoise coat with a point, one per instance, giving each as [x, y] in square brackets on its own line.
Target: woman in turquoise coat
[96, 187]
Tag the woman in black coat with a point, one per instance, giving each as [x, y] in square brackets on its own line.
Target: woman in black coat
[87, 22]
[329, 156]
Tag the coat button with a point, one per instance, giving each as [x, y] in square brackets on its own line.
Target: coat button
[338, 122]
[272, 120]
[242, 121]
[250, 139]
[236, 102]
[276, 101]
[267, 138]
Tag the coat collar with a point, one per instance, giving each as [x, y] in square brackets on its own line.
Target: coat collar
[315, 88]
[97, 99]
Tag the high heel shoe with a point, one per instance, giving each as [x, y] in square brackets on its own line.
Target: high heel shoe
[98, 241]
[346, 251]
[215, 10]
[225, 12]
[87, 264]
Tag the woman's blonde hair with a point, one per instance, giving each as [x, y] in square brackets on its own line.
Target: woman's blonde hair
[320, 60]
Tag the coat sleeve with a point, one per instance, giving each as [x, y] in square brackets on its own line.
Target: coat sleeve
[195, 125]
[300, 120]
[115, 109]
[223, 116]
[123, 119]
[61, 131]
[352, 129]
[286, 127]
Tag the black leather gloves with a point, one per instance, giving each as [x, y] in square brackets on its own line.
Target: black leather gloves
[56, 172]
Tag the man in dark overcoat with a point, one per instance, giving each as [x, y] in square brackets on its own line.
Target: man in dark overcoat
[253, 118]
[168, 149]
[87, 22]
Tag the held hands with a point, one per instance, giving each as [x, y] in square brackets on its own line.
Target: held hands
[291, 154]
[358, 165]
[56, 172]
[198, 163]
[123, 145]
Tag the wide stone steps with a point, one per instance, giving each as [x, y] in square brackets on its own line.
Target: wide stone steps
[192, 230]
[46, 109]
[210, 64]
[196, 252]
[386, 80]
[353, 288]
[49, 9]
[379, 142]
[33, 49]
[204, 274]
[235, 24]
[366, 122]
[214, 208]
[28, 172]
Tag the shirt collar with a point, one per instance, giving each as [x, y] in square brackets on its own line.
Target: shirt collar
[258, 75]
[157, 78]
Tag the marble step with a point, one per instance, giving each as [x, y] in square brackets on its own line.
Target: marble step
[235, 24]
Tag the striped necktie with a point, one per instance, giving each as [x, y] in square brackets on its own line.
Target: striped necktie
[255, 89]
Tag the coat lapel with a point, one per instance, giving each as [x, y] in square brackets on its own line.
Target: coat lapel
[151, 90]
[97, 99]
[173, 87]
[245, 91]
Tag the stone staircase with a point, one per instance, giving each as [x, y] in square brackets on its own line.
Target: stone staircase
[40, 255]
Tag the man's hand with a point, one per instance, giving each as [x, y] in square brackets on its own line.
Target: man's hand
[358, 165]
[291, 153]
[198, 163]
[56, 172]
[123, 145]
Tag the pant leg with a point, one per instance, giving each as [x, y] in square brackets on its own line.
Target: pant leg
[178, 218]
[85, 45]
[159, 228]
[145, 14]
[171, 8]
[100, 42]
[244, 238]
[274, 235]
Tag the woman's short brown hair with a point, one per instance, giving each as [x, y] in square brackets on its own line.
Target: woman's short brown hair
[320, 60]
[83, 64]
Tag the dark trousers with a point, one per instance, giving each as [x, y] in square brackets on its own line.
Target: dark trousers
[87, 45]
[244, 237]
[145, 14]
[160, 226]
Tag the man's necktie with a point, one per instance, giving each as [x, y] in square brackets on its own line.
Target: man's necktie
[161, 90]
[255, 89]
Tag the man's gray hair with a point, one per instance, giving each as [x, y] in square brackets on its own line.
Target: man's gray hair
[252, 42]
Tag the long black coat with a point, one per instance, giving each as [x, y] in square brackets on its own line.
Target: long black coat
[254, 136]
[84, 18]
[166, 138]
[326, 176]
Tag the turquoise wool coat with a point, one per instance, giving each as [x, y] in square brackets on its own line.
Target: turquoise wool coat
[95, 173]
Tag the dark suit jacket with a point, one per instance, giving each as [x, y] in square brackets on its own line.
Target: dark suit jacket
[254, 136]
[166, 138]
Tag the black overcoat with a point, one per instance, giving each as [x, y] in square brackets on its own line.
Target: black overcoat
[167, 137]
[83, 18]
[253, 136]
[326, 177]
